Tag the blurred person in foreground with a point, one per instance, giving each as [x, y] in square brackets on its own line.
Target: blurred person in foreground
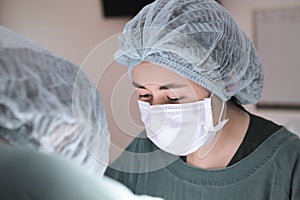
[54, 138]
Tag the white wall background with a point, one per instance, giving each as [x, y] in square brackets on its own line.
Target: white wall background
[72, 28]
[242, 11]
[69, 27]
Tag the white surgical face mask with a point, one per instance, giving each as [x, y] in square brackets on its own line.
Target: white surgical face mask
[180, 129]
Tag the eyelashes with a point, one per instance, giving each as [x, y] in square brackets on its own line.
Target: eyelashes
[175, 100]
[149, 97]
[144, 96]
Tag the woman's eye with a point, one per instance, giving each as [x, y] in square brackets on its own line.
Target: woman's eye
[174, 100]
[144, 96]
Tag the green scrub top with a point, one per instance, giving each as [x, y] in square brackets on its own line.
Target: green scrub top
[271, 171]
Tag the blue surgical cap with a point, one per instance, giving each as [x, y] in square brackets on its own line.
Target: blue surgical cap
[48, 104]
[197, 39]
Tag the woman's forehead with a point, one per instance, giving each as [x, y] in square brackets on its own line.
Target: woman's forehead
[148, 73]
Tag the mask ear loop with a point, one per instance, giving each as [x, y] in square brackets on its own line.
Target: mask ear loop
[216, 138]
[222, 111]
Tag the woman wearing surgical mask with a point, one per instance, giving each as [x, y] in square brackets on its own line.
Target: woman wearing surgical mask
[193, 69]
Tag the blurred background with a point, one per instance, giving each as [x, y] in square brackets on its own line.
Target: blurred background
[85, 32]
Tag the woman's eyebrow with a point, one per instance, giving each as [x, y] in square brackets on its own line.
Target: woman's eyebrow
[137, 85]
[171, 86]
[163, 87]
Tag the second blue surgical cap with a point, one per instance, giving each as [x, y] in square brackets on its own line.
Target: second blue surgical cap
[199, 40]
[48, 103]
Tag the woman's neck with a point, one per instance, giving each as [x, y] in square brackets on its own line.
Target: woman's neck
[219, 152]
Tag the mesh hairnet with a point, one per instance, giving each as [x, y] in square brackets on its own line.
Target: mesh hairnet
[47, 103]
[199, 40]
